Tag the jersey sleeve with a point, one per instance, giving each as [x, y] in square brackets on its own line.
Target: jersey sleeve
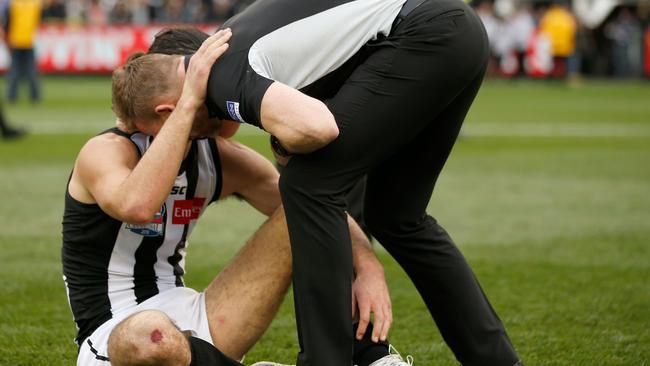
[235, 90]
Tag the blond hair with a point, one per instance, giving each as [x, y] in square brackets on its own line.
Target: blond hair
[138, 84]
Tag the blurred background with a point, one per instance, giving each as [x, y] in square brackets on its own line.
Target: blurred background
[536, 38]
[547, 191]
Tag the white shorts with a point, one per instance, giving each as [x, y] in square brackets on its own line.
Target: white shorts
[184, 306]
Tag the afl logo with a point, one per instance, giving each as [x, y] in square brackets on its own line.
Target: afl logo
[233, 111]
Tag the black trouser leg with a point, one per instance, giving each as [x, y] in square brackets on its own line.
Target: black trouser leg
[390, 102]
[423, 248]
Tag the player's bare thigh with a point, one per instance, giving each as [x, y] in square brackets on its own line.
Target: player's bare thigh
[244, 298]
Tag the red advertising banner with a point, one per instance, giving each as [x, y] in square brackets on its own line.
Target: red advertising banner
[89, 49]
[646, 53]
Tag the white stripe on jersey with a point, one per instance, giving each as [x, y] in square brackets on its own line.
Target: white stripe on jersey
[120, 269]
[291, 55]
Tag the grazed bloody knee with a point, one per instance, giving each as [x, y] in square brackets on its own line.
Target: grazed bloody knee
[156, 336]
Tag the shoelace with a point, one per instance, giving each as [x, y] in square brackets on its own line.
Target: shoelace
[395, 359]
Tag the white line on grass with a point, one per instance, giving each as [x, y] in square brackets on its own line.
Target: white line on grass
[479, 129]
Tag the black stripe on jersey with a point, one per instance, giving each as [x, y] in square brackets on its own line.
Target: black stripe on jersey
[89, 235]
[97, 355]
[217, 169]
[192, 180]
[144, 274]
[116, 131]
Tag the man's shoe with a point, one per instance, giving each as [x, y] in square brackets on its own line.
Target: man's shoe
[269, 363]
[393, 359]
[13, 133]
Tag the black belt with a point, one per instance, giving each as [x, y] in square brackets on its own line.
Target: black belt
[407, 8]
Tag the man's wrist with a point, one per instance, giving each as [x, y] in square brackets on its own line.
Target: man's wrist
[367, 264]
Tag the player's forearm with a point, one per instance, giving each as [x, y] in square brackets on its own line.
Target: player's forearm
[363, 256]
[150, 182]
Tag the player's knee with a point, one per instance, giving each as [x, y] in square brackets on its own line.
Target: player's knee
[148, 338]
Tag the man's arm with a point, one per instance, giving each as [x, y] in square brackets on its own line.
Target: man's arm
[301, 123]
[369, 290]
[106, 171]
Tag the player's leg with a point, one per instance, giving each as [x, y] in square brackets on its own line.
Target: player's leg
[244, 298]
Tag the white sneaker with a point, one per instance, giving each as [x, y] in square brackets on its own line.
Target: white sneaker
[393, 359]
[269, 363]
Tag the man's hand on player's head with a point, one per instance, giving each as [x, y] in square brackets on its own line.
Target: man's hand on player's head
[198, 71]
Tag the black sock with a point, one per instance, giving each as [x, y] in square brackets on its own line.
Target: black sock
[365, 350]
[205, 354]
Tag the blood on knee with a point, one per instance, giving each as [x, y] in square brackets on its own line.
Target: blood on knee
[156, 336]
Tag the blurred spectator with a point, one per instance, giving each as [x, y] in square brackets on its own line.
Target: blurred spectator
[521, 26]
[21, 18]
[485, 11]
[75, 11]
[95, 13]
[53, 11]
[219, 10]
[121, 12]
[624, 33]
[141, 12]
[512, 38]
[174, 11]
[560, 26]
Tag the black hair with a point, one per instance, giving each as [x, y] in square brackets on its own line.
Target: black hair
[177, 41]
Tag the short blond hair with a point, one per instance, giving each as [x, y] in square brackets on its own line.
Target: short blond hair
[139, 84]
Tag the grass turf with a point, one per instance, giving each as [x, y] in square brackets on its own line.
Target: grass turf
[547, 193]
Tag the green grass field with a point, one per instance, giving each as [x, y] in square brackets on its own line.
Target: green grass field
[547, 193]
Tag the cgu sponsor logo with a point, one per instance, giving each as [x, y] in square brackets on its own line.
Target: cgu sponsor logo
[185, 211]
[154, 228]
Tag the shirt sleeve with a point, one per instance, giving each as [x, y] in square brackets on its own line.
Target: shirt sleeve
[235, 90]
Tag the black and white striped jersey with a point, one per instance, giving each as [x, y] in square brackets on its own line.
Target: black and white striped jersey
[295, 42]
[110, 266]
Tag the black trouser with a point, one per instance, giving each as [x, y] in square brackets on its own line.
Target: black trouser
[399, 115]
[354, 202]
